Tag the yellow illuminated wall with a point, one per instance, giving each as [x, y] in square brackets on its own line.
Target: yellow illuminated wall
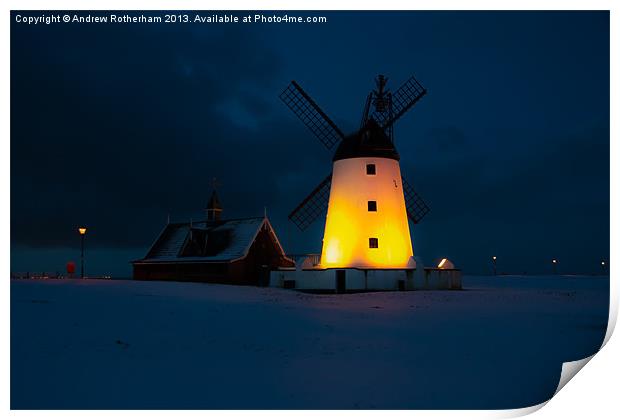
[349, 225]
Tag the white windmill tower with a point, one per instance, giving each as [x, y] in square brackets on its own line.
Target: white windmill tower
[368, 201]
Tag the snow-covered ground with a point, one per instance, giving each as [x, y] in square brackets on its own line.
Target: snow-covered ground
[499, 343]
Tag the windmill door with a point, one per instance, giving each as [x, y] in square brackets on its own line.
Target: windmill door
[341, 283]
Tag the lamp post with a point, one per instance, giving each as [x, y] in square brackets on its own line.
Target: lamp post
[604, 266]
[494, 265]
[555, 265]
[82, 231]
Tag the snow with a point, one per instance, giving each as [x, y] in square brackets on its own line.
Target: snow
[499, 343]
[171, 241]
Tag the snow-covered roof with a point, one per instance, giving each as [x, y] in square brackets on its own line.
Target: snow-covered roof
[225, 240]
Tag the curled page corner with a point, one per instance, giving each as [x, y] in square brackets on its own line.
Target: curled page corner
[613, 314]
[570, 369]
[520, 412]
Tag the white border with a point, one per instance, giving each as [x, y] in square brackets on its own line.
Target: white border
[592, 395]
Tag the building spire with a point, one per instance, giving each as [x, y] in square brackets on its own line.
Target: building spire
[214, 207]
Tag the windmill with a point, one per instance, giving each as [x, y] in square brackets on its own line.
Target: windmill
[368, 202]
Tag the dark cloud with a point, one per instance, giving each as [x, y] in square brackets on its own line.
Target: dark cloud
[115, 135]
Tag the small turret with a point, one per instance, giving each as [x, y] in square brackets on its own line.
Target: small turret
[214, 208]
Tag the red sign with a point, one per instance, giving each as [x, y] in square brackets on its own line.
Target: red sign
[70, 267]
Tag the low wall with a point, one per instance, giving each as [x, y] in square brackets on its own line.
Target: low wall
[438, 279]
[352, 279]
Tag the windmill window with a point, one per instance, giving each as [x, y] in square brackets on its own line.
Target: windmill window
[371, 169]
[372, 206]
[373, 242]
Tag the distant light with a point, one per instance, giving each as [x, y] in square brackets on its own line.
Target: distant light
[494, 258]
[555, 261]
[443, 261]
[602, 262]
[82, 230]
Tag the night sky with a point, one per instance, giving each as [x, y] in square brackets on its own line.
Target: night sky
[117, 126]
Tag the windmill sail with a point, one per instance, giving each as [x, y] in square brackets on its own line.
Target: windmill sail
[416, 206]
[311, 115]
[402, 100]
[313, 205]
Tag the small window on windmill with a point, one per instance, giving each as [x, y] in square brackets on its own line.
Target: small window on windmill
[372, 206]
[371, 169]
[373, 242]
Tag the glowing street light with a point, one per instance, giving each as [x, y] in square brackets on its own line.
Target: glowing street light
[494, 265]
[82, 231]
[555, 264]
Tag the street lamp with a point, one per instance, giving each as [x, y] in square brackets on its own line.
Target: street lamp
[82, 231]
[555, 263]
[494, 265]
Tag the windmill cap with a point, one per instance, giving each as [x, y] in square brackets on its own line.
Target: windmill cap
[370, 141]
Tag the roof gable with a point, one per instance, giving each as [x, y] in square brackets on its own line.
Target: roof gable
[226, 240]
